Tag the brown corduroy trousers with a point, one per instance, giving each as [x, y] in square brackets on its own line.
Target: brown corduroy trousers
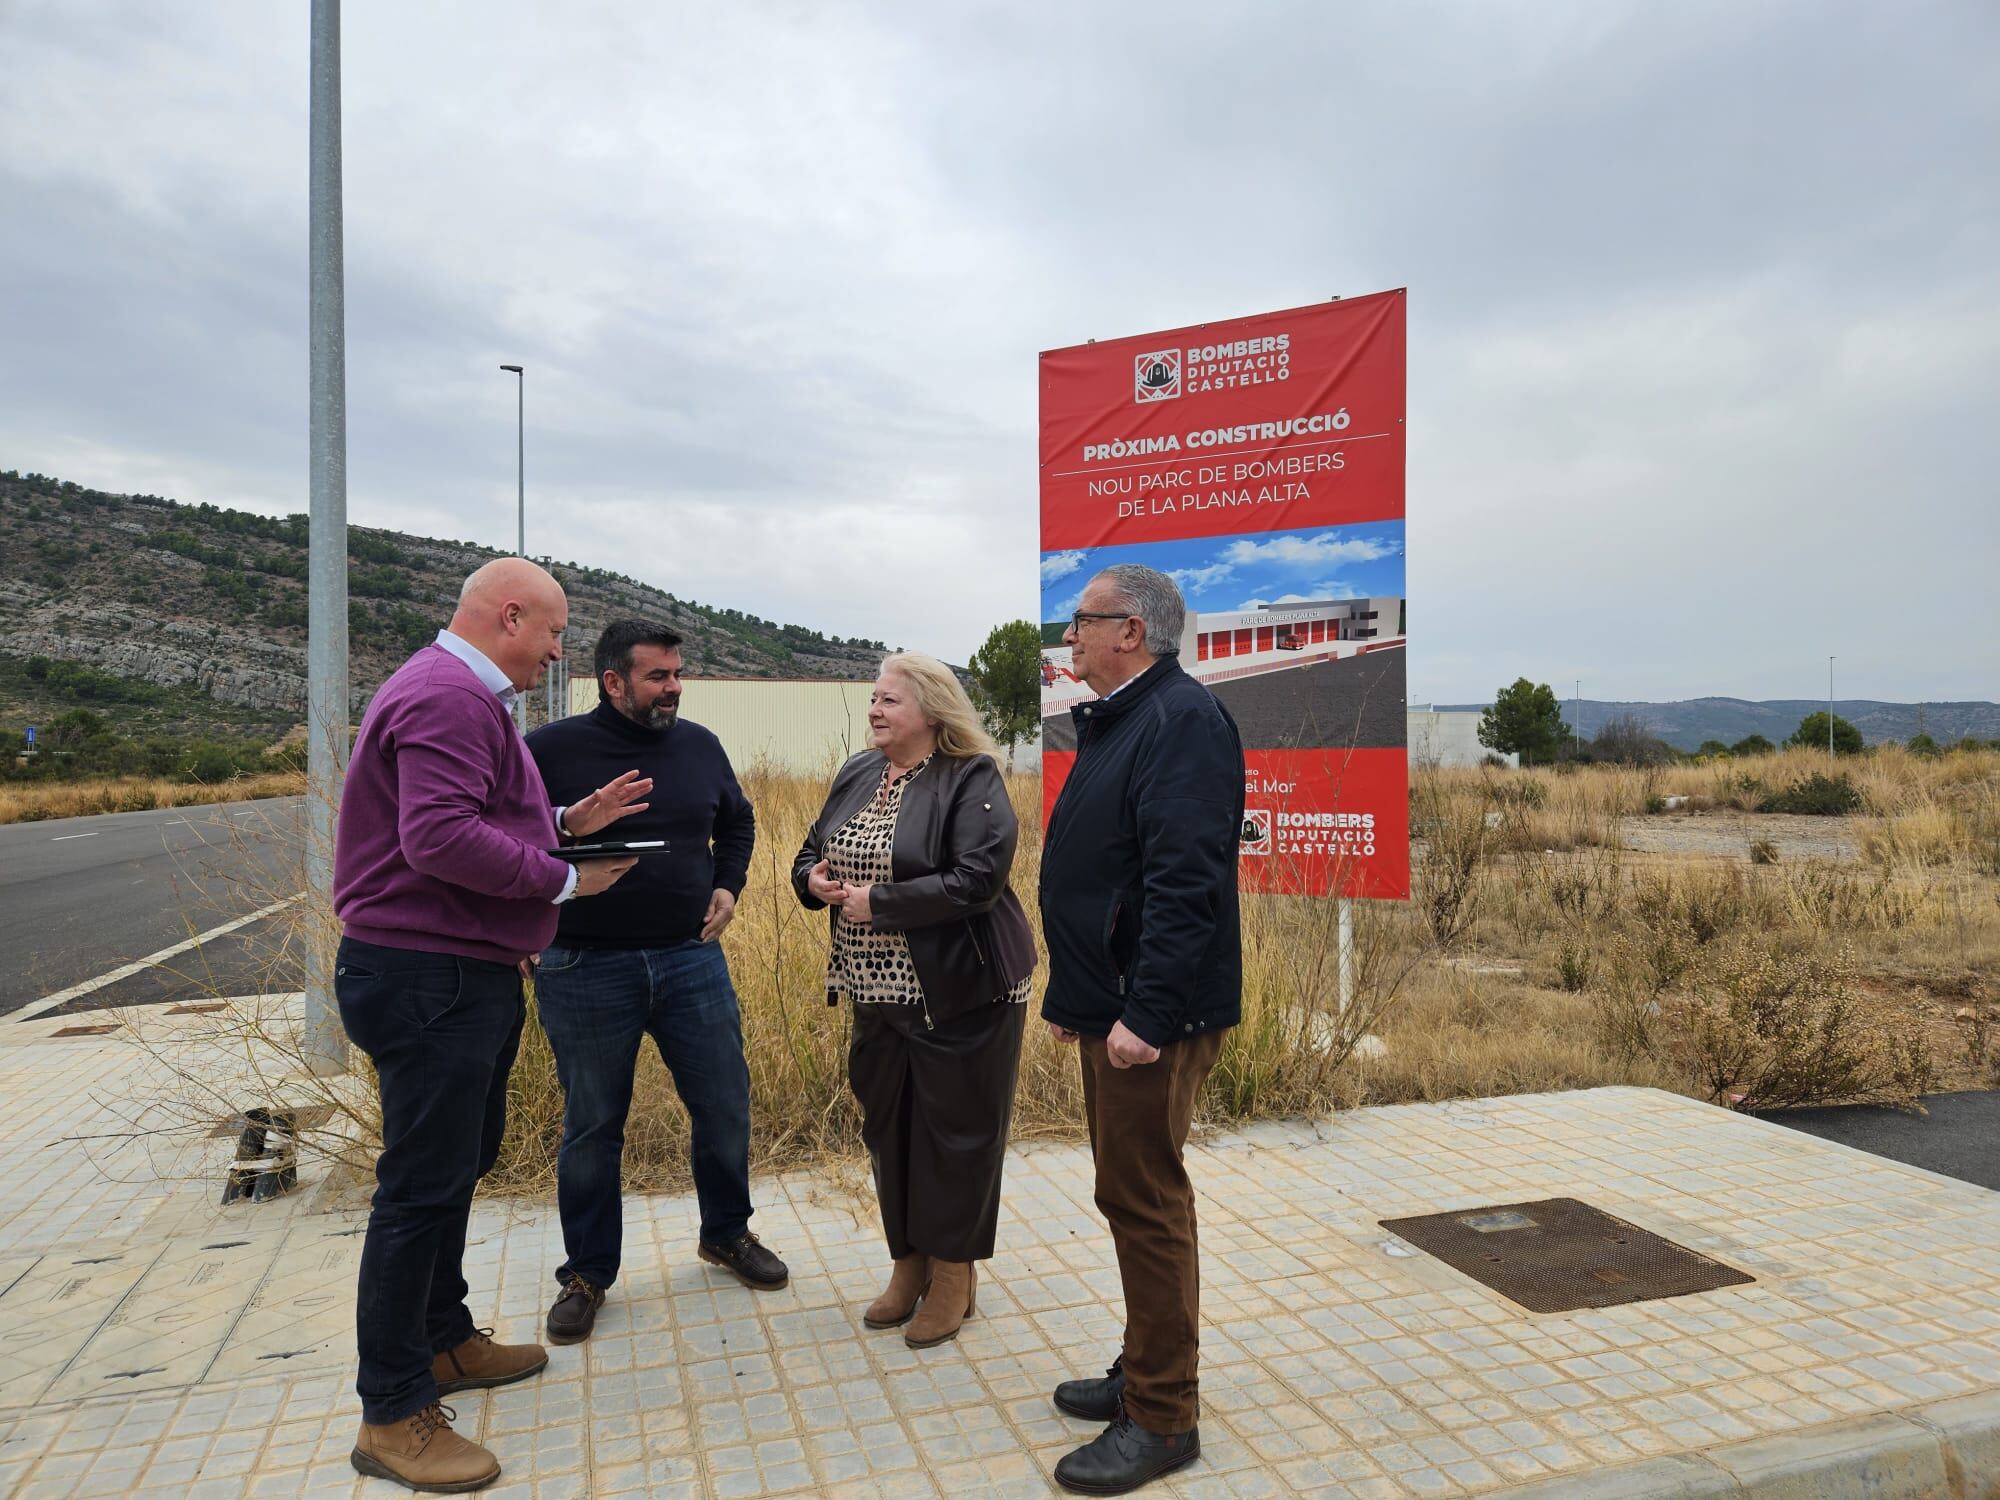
[1139, 1120]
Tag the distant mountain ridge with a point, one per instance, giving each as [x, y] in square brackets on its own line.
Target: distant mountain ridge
[192, 617]
[1685, 725]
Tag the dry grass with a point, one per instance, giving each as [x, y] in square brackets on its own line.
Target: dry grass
[1537, 954]
[38, 802]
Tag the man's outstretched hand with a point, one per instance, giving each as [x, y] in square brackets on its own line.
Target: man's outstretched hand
[605, 806]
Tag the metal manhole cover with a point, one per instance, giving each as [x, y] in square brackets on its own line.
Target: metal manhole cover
[1560, 1254]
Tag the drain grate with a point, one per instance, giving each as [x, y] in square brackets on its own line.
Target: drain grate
[1561, 1254]
[197, 1008]
[86, 1030]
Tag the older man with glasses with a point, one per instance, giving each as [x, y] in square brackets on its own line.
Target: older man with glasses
[1139, 910]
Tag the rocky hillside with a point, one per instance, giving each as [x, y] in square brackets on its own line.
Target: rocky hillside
[193, 618]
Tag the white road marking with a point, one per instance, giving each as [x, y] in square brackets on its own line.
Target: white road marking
[126, 971]
[63, 838]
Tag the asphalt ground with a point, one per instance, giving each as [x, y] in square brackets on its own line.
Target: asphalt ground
[1360, 701]
[1959, 1136]
[81, 897]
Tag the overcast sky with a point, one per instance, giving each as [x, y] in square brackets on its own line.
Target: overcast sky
[1704, 297]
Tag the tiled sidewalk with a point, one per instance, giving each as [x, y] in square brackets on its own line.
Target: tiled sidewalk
[153, 1344]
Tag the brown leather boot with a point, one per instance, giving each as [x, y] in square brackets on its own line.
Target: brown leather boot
[906, 1284]
[479, 1362]
[421, 1452]
[948, 1303]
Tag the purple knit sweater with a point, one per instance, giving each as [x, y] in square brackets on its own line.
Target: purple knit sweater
[443, 822]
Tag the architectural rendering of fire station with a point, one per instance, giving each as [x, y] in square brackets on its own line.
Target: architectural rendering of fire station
[1218, 647]
[1276, 632]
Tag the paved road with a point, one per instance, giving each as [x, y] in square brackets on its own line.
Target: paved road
[1960, 1137]
[1359, 701]
[80, 897]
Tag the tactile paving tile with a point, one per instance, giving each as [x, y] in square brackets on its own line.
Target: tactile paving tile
[52, 1309]
[302, 1317]
[167, 1329]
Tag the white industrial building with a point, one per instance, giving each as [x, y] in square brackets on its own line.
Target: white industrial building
[795, 726]
[1448, 737]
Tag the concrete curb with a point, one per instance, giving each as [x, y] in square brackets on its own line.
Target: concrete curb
[1945, 1450]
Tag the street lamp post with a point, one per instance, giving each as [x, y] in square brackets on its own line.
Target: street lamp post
[324, 1043]
[520, 493]
[1829, 707]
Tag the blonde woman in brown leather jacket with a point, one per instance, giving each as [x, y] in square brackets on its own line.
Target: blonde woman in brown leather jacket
[930, 946]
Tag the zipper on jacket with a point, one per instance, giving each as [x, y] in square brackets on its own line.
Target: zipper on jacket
[925, 1001]
[978, 952]
[1110, 939]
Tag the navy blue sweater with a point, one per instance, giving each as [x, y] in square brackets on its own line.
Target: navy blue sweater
[695, 804]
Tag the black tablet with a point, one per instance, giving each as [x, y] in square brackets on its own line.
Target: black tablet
[616, 849]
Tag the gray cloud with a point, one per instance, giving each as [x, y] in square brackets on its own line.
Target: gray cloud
[1704, 315]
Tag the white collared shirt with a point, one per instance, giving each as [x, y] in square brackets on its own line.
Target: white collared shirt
[497, 683]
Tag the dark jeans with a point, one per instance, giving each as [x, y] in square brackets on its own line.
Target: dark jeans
[597, 1005]
[442, 1033]
[935, 1106]
[1139, 1119]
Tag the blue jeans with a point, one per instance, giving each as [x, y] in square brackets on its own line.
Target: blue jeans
[597, 1005]
[442, 1033]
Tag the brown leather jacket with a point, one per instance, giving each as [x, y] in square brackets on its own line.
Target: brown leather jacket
[955, 835]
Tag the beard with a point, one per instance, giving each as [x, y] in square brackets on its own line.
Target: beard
[660, 716]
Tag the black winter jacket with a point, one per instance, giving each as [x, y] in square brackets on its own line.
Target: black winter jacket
[955, 833]
[1138, 889]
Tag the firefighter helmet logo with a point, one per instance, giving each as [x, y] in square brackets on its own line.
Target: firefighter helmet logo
[1157, 377]
[1256, 837]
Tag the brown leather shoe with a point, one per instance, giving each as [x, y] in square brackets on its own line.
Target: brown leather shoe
[479, 1362]
[898, 1303]
[948, 1303]
[421, 1452]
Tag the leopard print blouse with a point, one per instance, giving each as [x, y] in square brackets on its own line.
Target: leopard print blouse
[870, 967]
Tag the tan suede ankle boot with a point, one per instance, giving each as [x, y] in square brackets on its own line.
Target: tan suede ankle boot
[906, 1284]
[948, 1303]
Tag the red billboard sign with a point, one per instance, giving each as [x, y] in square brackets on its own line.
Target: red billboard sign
[1258, 462]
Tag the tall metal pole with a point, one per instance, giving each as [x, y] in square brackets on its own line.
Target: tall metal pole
[1829, 706]
[324, 1044]
[520, 497]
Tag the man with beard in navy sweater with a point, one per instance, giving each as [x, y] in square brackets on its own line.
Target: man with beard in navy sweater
[646, 960]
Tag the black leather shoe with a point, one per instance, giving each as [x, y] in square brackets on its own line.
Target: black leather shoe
[575, 1311]
[1094, 1400]
[1125, 1456]
[753, 1265]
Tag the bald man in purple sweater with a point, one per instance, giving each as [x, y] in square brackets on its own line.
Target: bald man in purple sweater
[444, 890]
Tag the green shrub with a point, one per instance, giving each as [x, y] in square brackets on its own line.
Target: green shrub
[1817, 795]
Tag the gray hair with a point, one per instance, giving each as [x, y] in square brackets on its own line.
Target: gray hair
[1155, 599]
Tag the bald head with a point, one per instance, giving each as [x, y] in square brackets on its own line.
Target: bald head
[515, 613]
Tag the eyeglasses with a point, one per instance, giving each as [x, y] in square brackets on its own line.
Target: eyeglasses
[1076, 620]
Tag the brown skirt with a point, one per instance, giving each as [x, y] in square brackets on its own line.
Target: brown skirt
[935, 1108]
